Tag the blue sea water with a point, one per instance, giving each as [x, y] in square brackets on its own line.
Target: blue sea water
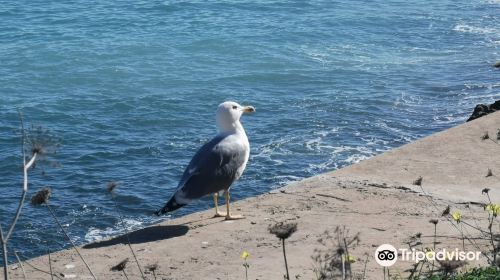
[130, 89]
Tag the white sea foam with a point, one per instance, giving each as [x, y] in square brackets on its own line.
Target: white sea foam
[449, 119]
[481, 98]
[375, 142]
[95, 234]
[316, 144]
[474, 29]
[407, 100]
[272, 147]
[355, 158]
[330, 164]
[284, 180]
[317, 55]
[344, 155]
[492, 2]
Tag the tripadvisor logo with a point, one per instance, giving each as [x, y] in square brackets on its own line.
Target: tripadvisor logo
[387, 255]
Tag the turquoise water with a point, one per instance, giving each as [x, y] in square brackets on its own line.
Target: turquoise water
[131, 89]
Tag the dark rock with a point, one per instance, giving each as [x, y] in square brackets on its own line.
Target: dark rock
[483, 110]
[497, 64]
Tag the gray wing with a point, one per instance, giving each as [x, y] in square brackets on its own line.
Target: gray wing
[212, 169]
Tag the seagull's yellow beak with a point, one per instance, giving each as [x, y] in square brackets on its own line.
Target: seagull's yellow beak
[248, 109]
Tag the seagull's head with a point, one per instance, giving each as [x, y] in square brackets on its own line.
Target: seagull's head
[229, 113]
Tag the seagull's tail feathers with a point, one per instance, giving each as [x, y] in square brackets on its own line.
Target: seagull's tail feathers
[171, 205]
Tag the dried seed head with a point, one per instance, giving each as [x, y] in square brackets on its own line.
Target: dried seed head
[434, 221]
[489, 173]
[340, 251]
[41, 141]
[485, 136]
[152, 267]
[41, 197]
[37, 148]
[111, 186]
[446, 211]
[418, 181]
[282, 230]
[121, 266]
[485, 191]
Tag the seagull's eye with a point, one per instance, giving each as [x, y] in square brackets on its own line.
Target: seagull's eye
[235, 107]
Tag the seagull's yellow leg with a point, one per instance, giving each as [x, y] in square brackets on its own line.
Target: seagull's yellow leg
[229, 216]
[216, 202]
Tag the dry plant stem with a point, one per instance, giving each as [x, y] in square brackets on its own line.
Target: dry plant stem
[20, 264]
[125, 274]
[490, 226]
[413, 270]
[434, 204]
[38, 269]
[474, 227]
[27, 166]
[5, 238]
[4, 250]
[71, 241]
[419, 271]
[50, 265]
[494, 141]
[434, 246]
[364, 270]
[347, 254]
[472, 241]
[284, 256]
[463, 238]
[343, 266]
[127, 235]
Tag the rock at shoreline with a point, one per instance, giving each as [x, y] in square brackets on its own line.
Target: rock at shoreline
[497, 64]
[483, 110]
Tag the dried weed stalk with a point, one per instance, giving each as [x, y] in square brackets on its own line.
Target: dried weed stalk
[334, 261]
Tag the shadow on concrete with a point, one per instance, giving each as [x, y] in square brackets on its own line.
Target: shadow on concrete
[149, 234]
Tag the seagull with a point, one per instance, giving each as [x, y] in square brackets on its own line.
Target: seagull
[217, 164]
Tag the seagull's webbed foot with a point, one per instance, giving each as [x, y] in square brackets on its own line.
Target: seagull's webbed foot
[228, 215]
[234, 217]
[220, 214]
